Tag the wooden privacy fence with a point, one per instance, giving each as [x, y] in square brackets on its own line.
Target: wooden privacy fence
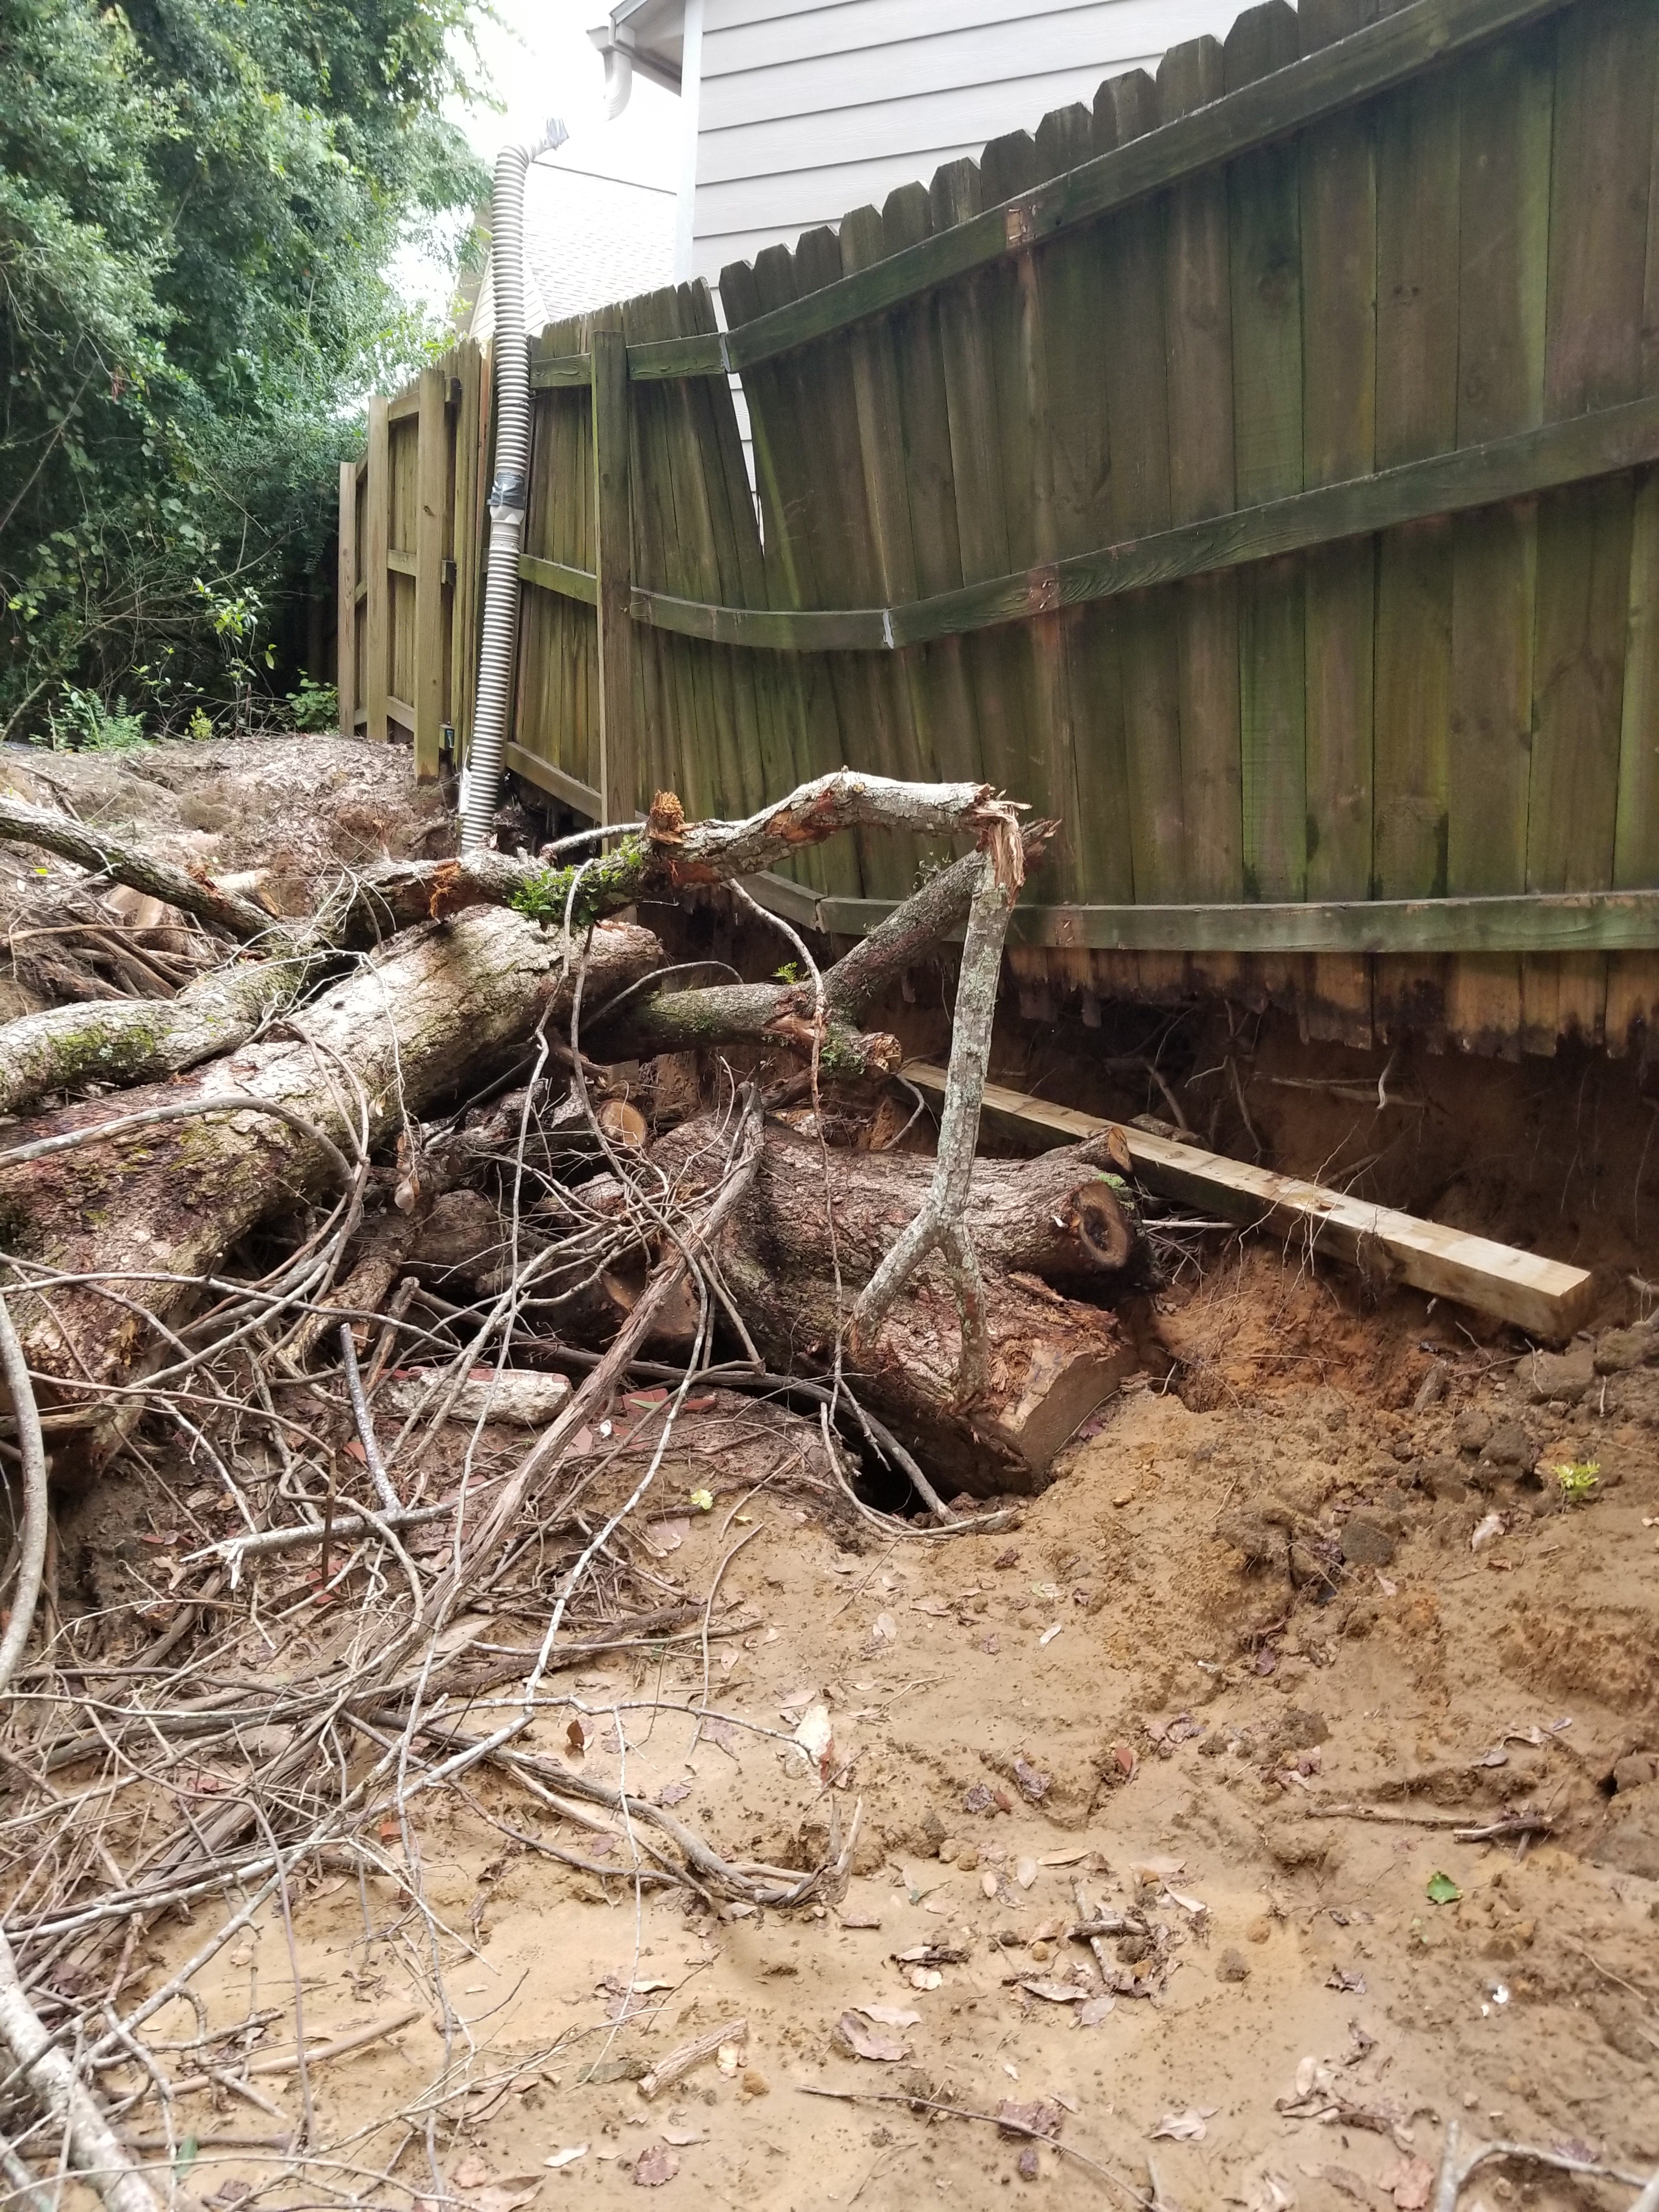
[1254, 471]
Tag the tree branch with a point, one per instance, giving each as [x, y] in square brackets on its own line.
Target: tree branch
[20, 824]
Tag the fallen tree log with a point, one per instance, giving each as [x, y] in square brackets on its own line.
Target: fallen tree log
[122, 863]
[671, 855]
[651, 1022]
[120, 1226]
[1041, 1228]
[131, 1041]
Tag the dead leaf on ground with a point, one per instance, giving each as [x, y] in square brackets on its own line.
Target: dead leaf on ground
[470, 2173]
[1055, 1992]
[506, 2200]
[663, 1537]
[891, 2015]
[655, 2164]
[1096, 2010]
[1409, 2184]
[680, 2136]
[1033, 1784]
[1184, 2127]
[568, 2156]
[856, 2036]
[673, 1793]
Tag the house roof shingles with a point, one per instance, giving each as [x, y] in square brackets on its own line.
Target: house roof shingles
[588, 240]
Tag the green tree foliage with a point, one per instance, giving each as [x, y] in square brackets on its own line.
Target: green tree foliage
[199, 199]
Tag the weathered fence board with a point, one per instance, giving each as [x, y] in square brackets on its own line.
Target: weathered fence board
[1259, 471]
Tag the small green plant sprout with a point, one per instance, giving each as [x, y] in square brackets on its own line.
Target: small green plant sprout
[1577, 1478]
[80, 722]
[1442, 1890]
[199, 726]
[314, 705]
[789, 973]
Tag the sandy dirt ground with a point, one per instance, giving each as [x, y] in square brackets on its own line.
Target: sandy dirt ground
[1240, 1680]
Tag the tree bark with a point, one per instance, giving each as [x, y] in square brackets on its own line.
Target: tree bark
[128, 1040]
[761, 1013]
[20, 824]
[437, 1008]
[1041, 1228]
[672, 855]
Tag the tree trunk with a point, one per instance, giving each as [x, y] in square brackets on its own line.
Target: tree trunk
[1040, 1227]
[437, 1009]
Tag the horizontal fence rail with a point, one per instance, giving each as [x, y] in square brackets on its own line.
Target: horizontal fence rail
[1256, 470]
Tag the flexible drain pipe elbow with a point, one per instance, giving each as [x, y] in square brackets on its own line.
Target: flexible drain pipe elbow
[508, 495]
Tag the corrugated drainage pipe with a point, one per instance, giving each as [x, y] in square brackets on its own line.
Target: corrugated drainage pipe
[507, 496]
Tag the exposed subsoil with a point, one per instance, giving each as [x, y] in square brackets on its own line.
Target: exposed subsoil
[1273, 1637]
[1266, 1759]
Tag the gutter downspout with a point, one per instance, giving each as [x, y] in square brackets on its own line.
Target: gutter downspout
[508, 494]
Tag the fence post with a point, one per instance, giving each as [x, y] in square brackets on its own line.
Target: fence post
[345, 606]
[431, 498]
[377, 609]
[619, 747]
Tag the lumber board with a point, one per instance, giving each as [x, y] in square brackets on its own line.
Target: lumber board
[376, 612]
[1338, 441]
[1384, 54]
[1545, 1298]
[1264, 201]
[1506, 100]
[1198, 331]
[345, 600]
[1137, 401]
[431, 516]
[1418, 155]
[1566, 921]
[1606, 442]
[619, 751]
[1024, 318]
[1600, 177]
[974, 426]
[548, 777]
[803, 686]
[558, 372]
[559, 577]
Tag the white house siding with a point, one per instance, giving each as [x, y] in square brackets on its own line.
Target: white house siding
[805, 111]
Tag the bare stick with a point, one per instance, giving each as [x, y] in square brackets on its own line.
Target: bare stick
[1457, 2170]
[92, 2145]
[680, 2062]
[365, 1420]
[939, 1226]
[35, 1517]
[318, 2054]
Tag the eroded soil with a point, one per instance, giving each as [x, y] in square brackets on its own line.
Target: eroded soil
[1167, 1685]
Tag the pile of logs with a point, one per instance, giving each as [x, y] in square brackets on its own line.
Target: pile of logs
[331, 1066]
[360, 1251]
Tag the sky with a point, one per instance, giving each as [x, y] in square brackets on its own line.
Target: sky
[536, 61]
[539, 62]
